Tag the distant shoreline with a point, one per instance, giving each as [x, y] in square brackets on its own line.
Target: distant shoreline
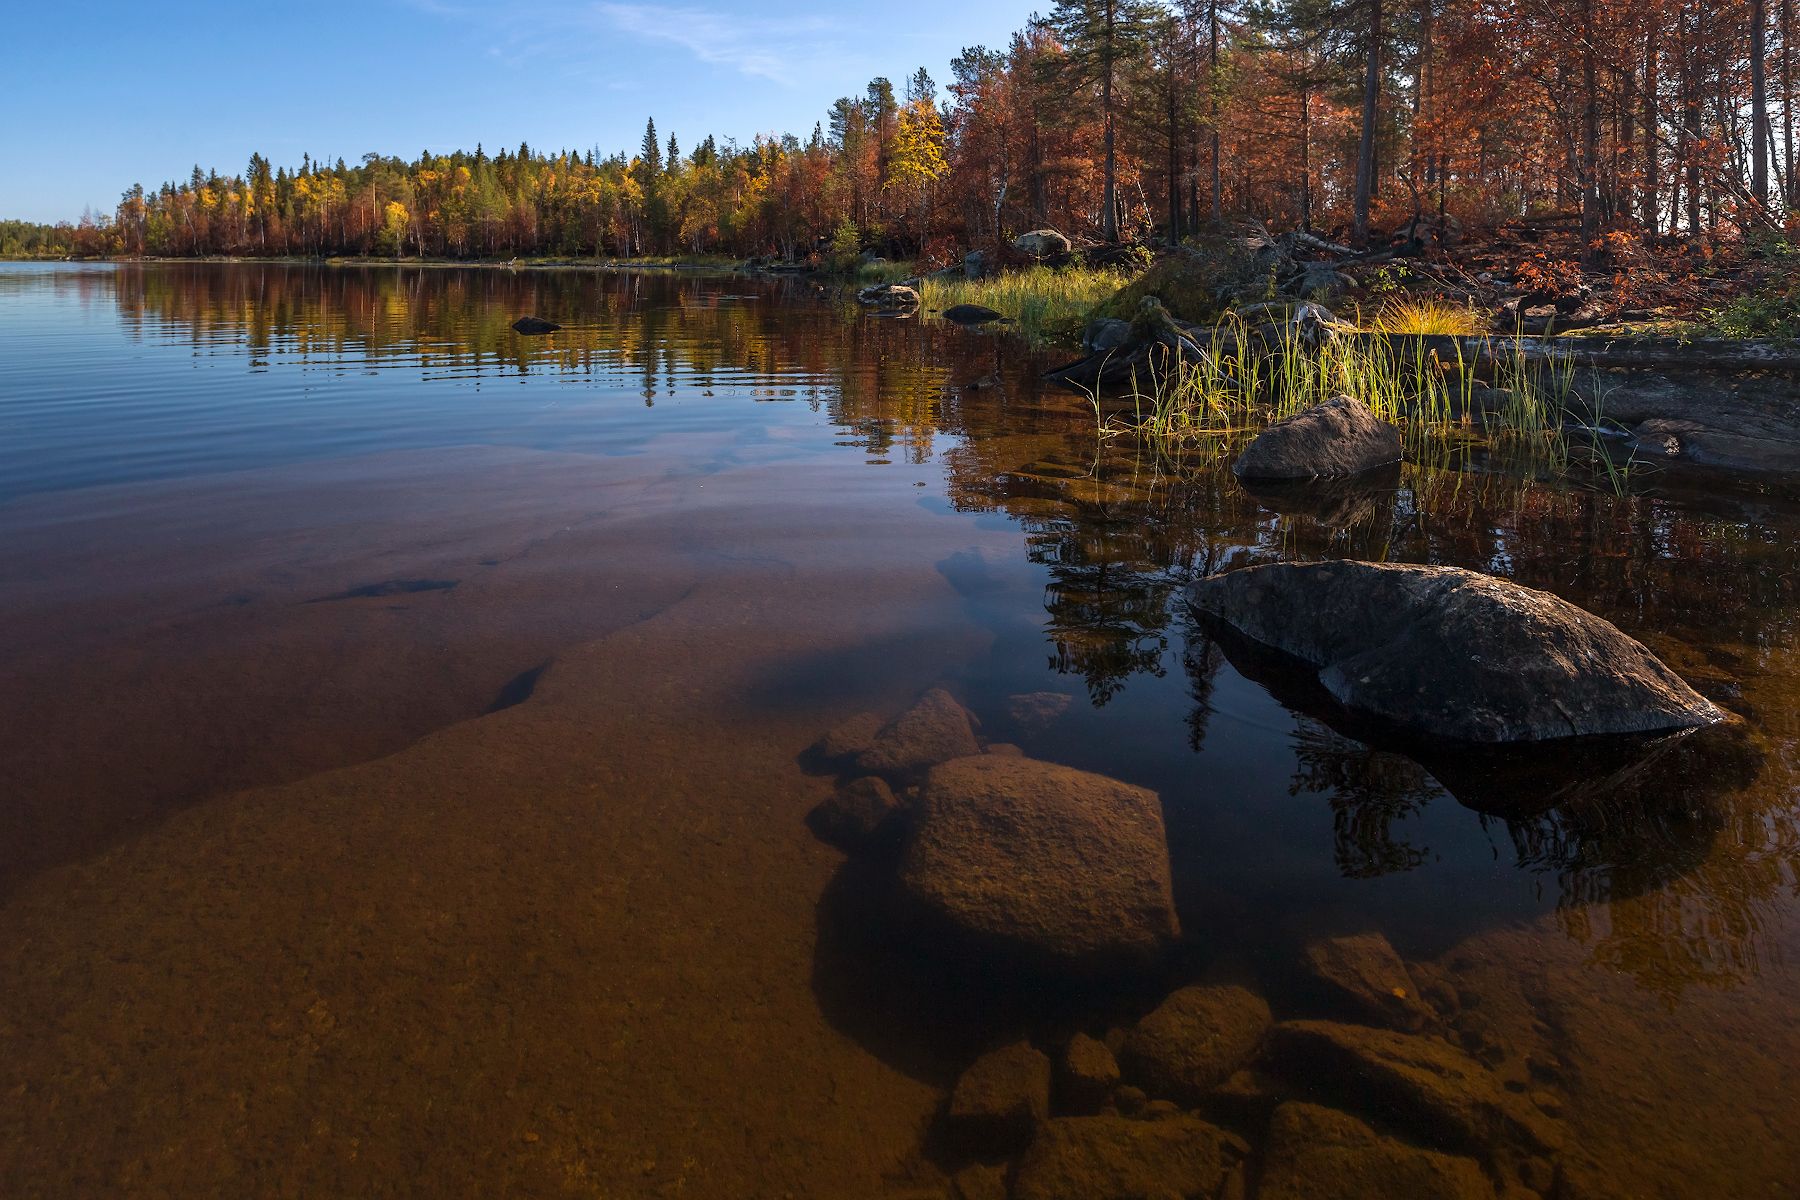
[589, 264]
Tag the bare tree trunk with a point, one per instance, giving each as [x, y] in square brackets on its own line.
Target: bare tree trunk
[1759, 104]
[1212, 91]
[1652, 213]
[1109, 221]
[1787, 100]
[1590, 137]
[1365, 158]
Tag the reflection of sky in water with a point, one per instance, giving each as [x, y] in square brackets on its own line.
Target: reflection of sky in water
[1278, 823]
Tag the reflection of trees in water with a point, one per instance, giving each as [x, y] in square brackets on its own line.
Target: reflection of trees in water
[1370, 791]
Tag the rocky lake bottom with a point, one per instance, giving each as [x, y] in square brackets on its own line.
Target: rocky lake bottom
[441, 761]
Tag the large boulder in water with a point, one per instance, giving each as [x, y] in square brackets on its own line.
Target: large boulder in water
[1338, 438]
[1041, 863]
[934, 730]
[1194, 1040]
[1453, 653]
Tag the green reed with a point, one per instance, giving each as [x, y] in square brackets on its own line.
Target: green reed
[1048, 306]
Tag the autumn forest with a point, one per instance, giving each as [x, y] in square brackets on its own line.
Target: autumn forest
[1112, 120]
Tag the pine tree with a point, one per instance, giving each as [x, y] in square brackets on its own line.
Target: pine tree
[1099, 38]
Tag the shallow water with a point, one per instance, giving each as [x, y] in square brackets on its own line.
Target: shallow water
[404, 720]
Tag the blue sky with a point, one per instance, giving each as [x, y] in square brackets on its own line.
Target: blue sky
[111, 93]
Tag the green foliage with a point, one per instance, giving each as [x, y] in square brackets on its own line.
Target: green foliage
[1771, 311]
[1194, 286]
[846, 240]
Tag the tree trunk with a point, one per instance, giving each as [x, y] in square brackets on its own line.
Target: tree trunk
[1212, 91]
[1787, 100]
[1365, 157]
[1652, 213]
[1590, 138]
[1109, 221]
[1759, 104]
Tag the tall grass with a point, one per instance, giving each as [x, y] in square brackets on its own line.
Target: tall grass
[1244, 381]
[1050, 307]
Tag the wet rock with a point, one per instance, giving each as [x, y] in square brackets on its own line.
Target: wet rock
[1248, 1097]
[999, 1100]
[935, 730]
[1454, 653]
[1086, 1075]
[972, 314]
[1161, 1110]
[1364, 972]
[863, 813]
[974, 264]
[1155, 347]
[1338, 438]
[1058, 868]
[534, 325]
[1112, 1158]
[1105, 333]
[1338, 503]
[1689, 443]
[1318, 1153]
[1043, 243]
[1005, 750]
[1130, 1100]
[1425, 1084]
[1034, 710]
[1194, 1040]
[847, 740]
[890, 297]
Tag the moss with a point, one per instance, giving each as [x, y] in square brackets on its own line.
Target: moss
[1195, 285]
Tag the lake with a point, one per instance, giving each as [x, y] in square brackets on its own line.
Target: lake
[405, 740]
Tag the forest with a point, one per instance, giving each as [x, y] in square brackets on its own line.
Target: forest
[1113, 121]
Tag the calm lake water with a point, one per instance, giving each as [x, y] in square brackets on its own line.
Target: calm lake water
[403, 724]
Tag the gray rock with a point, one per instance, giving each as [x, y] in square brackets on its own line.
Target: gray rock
[1364, 972]
[1086, 1075]
[1105, 333]
[935, 730]
[1338, 438]
[974, 265]
[1113, 1158]
[863, 813]
[999, 1101]
[1454, 653]
[1042, 243]
[1194, 1040]
[891, 297]
[1036, 862]
[1423, 1084]
[1689, 443]
[1318, 1153]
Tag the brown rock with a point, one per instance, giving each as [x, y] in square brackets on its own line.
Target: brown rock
[1006, 750]
[1112, 1158]
[1364, 972]
[1318, 1153]
[935, 730]
[1194, 1040]
[849, 739]
[1087, 1075]
[1423, 1083]
[1455, 653]
[1055, 866]
[979, 1181]
[1034, 710]
[1338, 438]
[1000, 1099]
[864, 812]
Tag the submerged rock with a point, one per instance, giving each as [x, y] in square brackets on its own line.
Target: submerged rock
[1318, 1153]
[1086, 1075]
[1364, 972]
[1000, 1099]
[1454, 653]
[935, 730]
[1338, 438]
[1115, 1158]
[1034, 710]
[847, 740]
[1057, 867]
[863, 813]
[972, 314]
[1194, 1040]
[534, 325]
[1424, 1084]
[1043, 243]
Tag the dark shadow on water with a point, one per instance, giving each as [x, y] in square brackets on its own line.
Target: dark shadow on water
[518, 689]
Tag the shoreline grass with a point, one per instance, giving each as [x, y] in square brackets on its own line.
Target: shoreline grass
[1048, 307]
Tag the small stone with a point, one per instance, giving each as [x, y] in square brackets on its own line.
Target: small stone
[1130, 1100]
[1194, 1040]
[1000, 1099]
[1364, 972]
[1318, 1153]
[1111, 1158]
[862, 813]
[1549, 1104]
[1156, 1110]
[935, 730]
[1006, 750]
[849, 739]
[1538, 1174]
[1088, 1075]
[1248, 1097]
[1034, 710]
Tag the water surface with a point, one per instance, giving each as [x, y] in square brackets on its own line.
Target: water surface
[403, 724]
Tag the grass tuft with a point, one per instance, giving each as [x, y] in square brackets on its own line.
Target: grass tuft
[1051, 307]
[1426, 317]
